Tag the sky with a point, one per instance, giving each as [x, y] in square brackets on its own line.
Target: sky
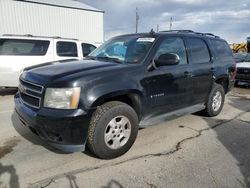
[229, 19]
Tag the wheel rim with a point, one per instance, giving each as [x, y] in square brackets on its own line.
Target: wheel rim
[117, 132]
[217, 100]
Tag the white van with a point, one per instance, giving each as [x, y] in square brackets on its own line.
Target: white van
[20, 51]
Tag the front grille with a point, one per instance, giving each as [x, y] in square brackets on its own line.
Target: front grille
[243, 70]
[30, 93]
[243, 76]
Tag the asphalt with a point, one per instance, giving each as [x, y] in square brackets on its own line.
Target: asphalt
[191, 151]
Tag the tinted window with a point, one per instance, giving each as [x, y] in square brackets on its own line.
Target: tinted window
[23, 47]
[66, 49]
[173, 45]
[87, 49]
[221, 49]
[198, 50]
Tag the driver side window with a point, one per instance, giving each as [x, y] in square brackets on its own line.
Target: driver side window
[174, 45]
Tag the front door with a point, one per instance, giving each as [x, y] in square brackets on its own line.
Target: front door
[168, 88]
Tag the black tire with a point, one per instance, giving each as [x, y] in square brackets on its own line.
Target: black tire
[100, 121]
[209, 110]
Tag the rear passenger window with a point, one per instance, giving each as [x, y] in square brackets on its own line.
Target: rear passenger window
[198, 50]
[23, 47]
[66, 49]
[173, 45]
[221, 49]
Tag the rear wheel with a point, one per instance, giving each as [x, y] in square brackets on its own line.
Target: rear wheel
[113, 130]
[215, 100]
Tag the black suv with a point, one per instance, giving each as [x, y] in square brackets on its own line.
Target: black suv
[131, 81]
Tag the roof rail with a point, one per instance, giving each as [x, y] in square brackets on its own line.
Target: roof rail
[211, 34]
[192, 32]
[179, 31]
[29, 35]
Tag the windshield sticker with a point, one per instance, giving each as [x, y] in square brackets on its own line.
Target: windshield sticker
[145, 39]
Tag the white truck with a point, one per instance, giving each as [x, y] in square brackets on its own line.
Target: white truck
[20, 51]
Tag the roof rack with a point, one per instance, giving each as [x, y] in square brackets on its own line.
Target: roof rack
[29, 35]
[178, 31]
[211, 34]
[191, 32]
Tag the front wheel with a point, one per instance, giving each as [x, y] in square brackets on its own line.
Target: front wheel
[113, 130]
[215, 100]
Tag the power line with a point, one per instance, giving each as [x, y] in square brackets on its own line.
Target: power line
[171, 23]
[136, 20]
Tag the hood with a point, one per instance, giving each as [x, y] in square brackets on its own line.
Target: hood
[44, 73]
[243, 65]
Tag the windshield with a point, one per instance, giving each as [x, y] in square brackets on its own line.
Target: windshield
[125, 49]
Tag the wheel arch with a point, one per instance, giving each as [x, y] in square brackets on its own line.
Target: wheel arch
[132, 98]
[224, 81]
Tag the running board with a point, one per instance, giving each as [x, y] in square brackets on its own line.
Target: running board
[171, 115]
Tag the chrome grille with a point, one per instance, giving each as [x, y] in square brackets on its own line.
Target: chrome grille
[30, 93]
[243, 70]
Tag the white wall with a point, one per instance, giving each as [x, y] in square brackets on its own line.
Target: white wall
[28, 18]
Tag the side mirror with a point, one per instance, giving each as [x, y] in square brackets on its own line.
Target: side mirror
[167, 59]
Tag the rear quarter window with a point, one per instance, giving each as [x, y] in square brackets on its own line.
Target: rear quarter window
[23, 47]
[221, 49]
[198, 50]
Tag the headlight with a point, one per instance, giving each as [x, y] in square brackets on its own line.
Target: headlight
[62, 98]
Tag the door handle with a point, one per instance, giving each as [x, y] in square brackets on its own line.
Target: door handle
[212, 70]
[188, 74]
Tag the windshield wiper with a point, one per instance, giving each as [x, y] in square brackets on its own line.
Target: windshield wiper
[113, 59]
[90, 57]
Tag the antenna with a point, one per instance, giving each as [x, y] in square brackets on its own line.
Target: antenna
[157, 28]
[152, 31]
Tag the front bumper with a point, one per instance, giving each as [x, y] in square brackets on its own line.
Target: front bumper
[63, 129]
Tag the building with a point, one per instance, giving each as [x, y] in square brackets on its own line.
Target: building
[63, 18]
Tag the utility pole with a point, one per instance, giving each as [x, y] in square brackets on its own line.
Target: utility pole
[157, 28]
[136, 20]
[171, 23]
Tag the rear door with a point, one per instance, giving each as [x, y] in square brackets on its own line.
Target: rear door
[201, 69]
